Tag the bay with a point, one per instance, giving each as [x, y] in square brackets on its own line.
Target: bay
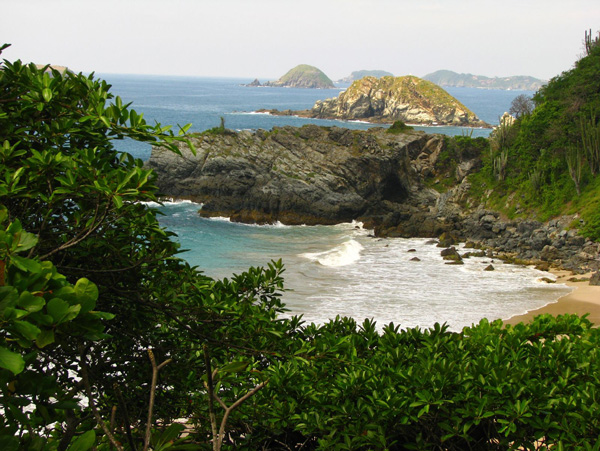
[330, 270]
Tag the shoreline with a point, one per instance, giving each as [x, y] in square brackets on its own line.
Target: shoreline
[584, 299]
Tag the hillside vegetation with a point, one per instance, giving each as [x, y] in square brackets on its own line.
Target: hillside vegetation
[548, 162]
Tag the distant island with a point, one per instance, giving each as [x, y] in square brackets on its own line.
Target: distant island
[454, 79]
[51, 67]
[358, 74]
[385, 100]
[301, 76]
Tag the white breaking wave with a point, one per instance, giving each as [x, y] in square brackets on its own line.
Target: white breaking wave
[170, 202]
[219, 218]
[342, 255]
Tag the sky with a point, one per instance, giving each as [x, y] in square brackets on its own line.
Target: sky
[265, 38]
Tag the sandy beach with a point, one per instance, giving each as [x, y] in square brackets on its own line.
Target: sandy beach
[583, 299]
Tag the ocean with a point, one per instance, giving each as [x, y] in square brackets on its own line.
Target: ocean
[330, 270]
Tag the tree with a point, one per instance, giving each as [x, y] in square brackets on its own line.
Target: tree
[83, 208]
[522, 105]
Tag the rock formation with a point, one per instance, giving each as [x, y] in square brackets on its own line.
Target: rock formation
[254, 83]
[307, 175]
[303, 76]
[389, 99]
[326, 175]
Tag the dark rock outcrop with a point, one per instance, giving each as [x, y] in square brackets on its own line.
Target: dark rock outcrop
[304, 175]
[327, 175]
[255, 84]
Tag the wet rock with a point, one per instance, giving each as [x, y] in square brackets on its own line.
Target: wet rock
[451, 254]
[489, 268]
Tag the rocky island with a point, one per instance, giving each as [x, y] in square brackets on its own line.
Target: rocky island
[358, 74]
[453, 79]
[409, 99]
[302, 76]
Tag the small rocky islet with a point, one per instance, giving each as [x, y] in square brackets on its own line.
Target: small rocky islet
[301, 76]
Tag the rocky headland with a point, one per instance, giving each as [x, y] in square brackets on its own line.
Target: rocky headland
[388, 99]
[301, 76]
[390, 181]
[454, 79]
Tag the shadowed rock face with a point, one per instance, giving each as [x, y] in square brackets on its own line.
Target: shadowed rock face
[304, 175]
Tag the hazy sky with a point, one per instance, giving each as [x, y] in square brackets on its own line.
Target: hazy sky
[266, 38]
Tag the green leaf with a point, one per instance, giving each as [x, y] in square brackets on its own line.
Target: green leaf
[25, 264]
[47, 94]
[170, 434]
[118, 201]
[83, 442]
[45, 338]
[234, 367]
[87, 293]
[27, 330]
[57, 308]
[11, 361]
[31, 303]
[26, 241]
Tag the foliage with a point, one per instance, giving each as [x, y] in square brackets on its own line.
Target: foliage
[85, 209]
[488, 387]
[399, 127]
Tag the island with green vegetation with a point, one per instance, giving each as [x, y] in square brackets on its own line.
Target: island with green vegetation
[302, 76]
[454, 79]
[388, 99]
[358, 74]
[110, 340]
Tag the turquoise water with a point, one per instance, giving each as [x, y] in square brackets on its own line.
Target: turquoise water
[330, 270]
[203, 101]
[344, 270]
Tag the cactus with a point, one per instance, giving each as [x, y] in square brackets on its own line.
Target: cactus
[590, 137]
[575, 163]
[590, 42]
[536, 179]
[500, 163]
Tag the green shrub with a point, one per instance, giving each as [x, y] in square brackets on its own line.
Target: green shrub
[399, 127]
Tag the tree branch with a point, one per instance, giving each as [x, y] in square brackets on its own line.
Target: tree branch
[88, 389]
[155, 369]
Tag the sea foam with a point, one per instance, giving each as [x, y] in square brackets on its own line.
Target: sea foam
[342, 255]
